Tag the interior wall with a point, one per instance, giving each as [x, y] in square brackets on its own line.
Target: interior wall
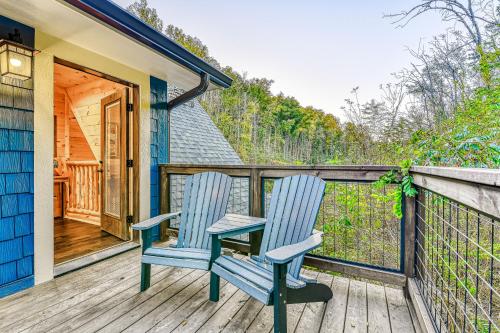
[79, 148]
[77, 101]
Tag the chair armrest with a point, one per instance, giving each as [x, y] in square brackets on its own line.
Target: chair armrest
[149, 223]
[285, 254]
[233, 224]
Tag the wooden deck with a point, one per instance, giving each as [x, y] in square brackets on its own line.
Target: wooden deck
[105, 297]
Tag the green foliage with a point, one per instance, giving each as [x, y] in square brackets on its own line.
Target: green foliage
[276, 129]
[149, 15]
[404, 180]
[470, 139]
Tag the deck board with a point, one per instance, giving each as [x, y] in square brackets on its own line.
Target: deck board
[105, 297]
[356, 317]
[378, 316]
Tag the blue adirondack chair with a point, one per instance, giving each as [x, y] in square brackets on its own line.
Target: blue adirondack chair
[205, 201]
[274, 276]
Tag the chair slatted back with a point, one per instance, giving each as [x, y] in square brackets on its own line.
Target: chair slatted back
[206, 196]
[294, 207]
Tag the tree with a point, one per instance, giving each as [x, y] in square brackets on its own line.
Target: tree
[147, 14]
[479, 18]
[470, 14]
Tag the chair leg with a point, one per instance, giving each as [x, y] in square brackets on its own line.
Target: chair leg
[145, 276]
[279, 297]
[214, 287]
[147, 241]
[214, 278]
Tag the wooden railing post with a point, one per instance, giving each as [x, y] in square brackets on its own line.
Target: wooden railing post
[409, 235]
[256, 209]
[164, 202]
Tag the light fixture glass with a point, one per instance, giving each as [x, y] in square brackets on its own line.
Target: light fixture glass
[15, 60]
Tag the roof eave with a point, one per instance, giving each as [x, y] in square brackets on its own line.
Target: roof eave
[118, 18]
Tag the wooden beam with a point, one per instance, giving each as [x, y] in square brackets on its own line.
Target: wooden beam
[473, 175]
[397, 279]
[234, 171]
[327, 174]
[343, 173]
[484, 198]
[164, 202]
[409, 240]
[424, 319]
[256, 208]
[67, 106]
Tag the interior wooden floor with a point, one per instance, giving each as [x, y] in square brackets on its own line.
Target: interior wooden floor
[105, 297]
[73, 239]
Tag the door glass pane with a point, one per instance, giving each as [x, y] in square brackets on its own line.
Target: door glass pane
[112, 160]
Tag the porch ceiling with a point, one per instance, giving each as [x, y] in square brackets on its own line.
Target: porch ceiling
[63, 21]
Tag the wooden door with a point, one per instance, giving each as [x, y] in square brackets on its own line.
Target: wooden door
[114, 178]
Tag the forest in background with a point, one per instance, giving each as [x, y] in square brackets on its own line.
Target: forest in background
[442, 109]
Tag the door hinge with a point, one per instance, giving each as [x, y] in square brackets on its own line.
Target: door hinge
[130, 219]
[130, 107]
[130, 163]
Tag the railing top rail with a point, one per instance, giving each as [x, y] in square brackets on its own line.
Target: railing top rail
[473, 175]
[287, 167]
[476, 188]
[82, 162]
[355, 173]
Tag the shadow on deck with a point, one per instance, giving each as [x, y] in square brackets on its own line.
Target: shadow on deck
[105, 297]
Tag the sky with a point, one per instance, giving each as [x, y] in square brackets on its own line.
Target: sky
[316, 50]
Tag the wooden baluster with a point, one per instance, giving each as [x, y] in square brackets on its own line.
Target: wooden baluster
[87, 187]
[72, 187]
[91, 188]
[79, 186]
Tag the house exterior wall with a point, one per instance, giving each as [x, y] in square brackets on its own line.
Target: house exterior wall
[159, 141]
[16, 180]
[51, 47]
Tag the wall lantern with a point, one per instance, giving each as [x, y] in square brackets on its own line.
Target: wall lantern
[15, 60]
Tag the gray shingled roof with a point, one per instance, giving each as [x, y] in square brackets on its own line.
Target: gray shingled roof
[194, 138]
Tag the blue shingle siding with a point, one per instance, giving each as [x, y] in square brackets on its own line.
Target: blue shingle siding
[159, 141]
[6, 228]
[2, 184]
[25, 267]
[16, 179]
[22, 225]
[21, 140]
[27, 162]
[8, 272]
[17, 183]
[10, 161]
[11, 250]
[9, 205]
[4, 140]
[25, 201]
[28, 243]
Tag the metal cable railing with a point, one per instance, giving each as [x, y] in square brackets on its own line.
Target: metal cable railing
[456, 264]
[358, 223]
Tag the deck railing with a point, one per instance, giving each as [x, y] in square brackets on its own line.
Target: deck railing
[445, 250]
[457, 248]
[361, 234]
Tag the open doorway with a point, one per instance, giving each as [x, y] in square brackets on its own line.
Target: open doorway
[91, 141]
